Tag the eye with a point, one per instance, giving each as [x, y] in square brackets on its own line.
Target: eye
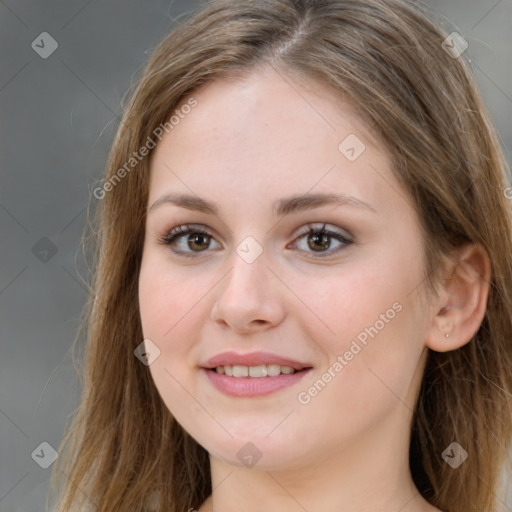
[187, 236]
[188, 239]
[320, 239]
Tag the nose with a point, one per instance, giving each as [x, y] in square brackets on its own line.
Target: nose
[249, 297]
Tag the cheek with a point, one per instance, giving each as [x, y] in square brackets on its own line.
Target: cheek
[373, 342]
[165, 302]
[343, 303]
[167, 298]
[165, 310]
[172, 310]
[362, 383]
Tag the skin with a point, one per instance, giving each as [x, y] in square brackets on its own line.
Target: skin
[248, 143]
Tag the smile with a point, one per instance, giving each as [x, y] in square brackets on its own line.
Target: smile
[243, 385]
[263, 370]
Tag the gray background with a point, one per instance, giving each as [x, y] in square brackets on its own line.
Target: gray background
[58, 118]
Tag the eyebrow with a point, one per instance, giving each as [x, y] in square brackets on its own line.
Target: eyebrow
[283, 206]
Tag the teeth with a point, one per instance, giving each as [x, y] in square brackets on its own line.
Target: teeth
[262, 370]
[258, 371]
[240, 371]
[273, 369]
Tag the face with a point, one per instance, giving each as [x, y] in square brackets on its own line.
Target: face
[327, 286]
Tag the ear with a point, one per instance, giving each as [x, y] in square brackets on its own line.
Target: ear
[462, 301]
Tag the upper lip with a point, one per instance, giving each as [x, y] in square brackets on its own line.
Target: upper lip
[252, 359]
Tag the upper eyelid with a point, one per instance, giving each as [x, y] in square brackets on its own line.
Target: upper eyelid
[185, 230]
[322, 226]
[299, 232]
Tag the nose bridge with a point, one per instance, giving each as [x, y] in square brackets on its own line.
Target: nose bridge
[248, 274]
[248, 296]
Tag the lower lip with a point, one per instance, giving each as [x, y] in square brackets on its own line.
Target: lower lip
[253, 386]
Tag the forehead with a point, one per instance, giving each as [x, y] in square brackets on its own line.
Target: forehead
[262, 133]
[267, 95]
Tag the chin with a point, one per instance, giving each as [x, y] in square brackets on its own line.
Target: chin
[264, 454]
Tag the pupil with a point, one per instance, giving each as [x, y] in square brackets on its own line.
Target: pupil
[318, 237]
[198, 237]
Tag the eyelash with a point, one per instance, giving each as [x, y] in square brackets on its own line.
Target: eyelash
[180, 231]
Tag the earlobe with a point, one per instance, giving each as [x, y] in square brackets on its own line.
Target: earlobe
[462, 302]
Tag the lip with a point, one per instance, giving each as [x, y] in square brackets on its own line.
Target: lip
[252, 359]
[252, 386]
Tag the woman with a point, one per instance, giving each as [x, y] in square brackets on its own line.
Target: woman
[303, 291]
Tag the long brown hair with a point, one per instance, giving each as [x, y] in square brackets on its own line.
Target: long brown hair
[123, 450]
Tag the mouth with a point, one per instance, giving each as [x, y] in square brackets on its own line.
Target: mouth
[254, 364]
[257, 371]
[254, 374]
